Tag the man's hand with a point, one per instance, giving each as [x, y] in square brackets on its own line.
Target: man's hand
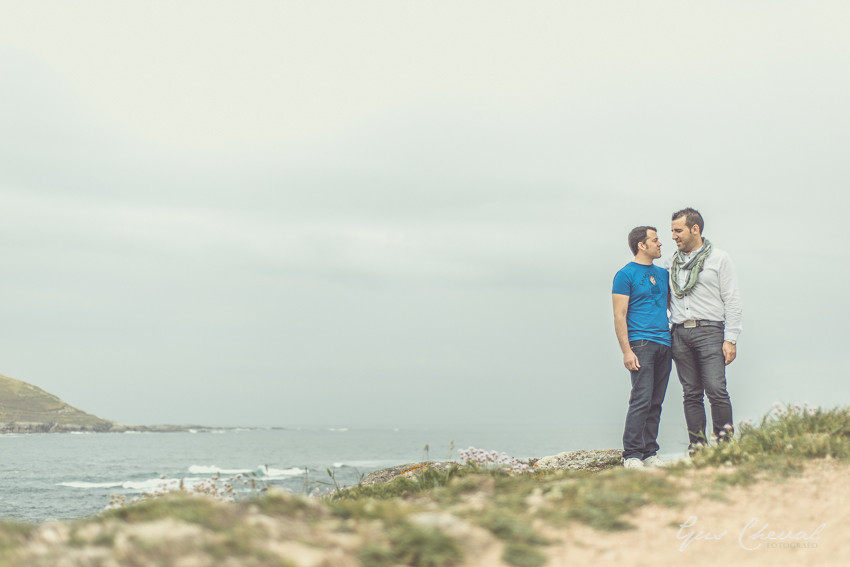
[730, 351]
[630, 360]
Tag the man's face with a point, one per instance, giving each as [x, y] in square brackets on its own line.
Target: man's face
[684, 237]
[653, 244]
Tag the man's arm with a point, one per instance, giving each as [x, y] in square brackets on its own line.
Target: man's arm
[732, 309]
[621, 308]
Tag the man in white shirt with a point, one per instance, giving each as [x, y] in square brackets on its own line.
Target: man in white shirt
[705, 312]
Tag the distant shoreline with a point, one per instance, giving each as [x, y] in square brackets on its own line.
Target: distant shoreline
[39, 427]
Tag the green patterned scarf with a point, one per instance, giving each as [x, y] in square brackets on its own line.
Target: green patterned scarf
[695, 265]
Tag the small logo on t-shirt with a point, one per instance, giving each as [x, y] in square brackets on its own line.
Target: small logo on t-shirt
[652, 279]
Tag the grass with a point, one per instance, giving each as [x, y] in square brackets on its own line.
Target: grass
[601, 500]
[178, 506]
[423, 547]
[426, 479]
[522, 542]
[417, 546]
[780, 444]
[13, 534]
[523, 555]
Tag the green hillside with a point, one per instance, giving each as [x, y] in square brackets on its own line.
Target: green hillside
[24, 407]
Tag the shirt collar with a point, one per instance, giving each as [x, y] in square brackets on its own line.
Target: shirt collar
[691, 253]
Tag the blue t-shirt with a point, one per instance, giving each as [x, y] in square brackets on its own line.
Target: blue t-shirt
[647, 288]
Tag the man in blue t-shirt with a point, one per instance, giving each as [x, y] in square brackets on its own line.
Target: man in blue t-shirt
[640, 295]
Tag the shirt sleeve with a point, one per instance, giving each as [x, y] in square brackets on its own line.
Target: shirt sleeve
[731, 296]
[622, 284]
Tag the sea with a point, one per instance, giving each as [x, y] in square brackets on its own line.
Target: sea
[66, 476]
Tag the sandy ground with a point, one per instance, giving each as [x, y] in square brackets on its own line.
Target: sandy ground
[800, 521]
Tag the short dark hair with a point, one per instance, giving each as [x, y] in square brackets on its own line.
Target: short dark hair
[638, 235]
[692, 217]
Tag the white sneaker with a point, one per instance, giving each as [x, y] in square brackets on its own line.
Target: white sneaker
[654, 461]
[633, 463]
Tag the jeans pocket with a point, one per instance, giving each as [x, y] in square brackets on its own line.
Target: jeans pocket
[638, 344]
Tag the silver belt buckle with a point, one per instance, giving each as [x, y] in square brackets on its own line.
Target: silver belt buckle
[690, 324]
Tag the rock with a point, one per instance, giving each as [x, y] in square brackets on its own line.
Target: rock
[410, 470]
[593, 460]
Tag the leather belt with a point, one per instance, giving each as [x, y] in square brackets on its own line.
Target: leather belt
[693, 323]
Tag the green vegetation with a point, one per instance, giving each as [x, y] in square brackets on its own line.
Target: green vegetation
[779, 445]
[426, 479]
[27, 407]
[523, 555]
[522, 542]
[177, 506]
[407, 544]
[423, 546]
[602, 500]
[13, 534]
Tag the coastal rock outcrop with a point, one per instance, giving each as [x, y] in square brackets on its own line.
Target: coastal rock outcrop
[582, 460]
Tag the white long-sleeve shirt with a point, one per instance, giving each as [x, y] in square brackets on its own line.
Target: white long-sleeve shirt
[715, 297]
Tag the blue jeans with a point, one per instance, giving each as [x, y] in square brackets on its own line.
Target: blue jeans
[701, 366]
[649, 384]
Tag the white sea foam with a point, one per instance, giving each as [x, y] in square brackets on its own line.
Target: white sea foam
[169, 484]
[260, 470]
[149, 485]
[280, 473]
[154, 484]
[90, 484]
[338, 429]
[212, 469]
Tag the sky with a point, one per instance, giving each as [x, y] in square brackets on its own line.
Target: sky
[399, 212]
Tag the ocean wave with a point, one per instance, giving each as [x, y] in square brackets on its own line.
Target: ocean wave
[154, 484]
[281, 473]
[73, 484]
[212, 469]
[260, 471]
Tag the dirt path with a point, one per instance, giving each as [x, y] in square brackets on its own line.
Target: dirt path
[808, 515]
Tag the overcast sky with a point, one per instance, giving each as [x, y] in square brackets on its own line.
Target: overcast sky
[396, 212]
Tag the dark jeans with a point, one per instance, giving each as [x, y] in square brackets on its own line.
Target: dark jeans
[649, 384]
[701, 366]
